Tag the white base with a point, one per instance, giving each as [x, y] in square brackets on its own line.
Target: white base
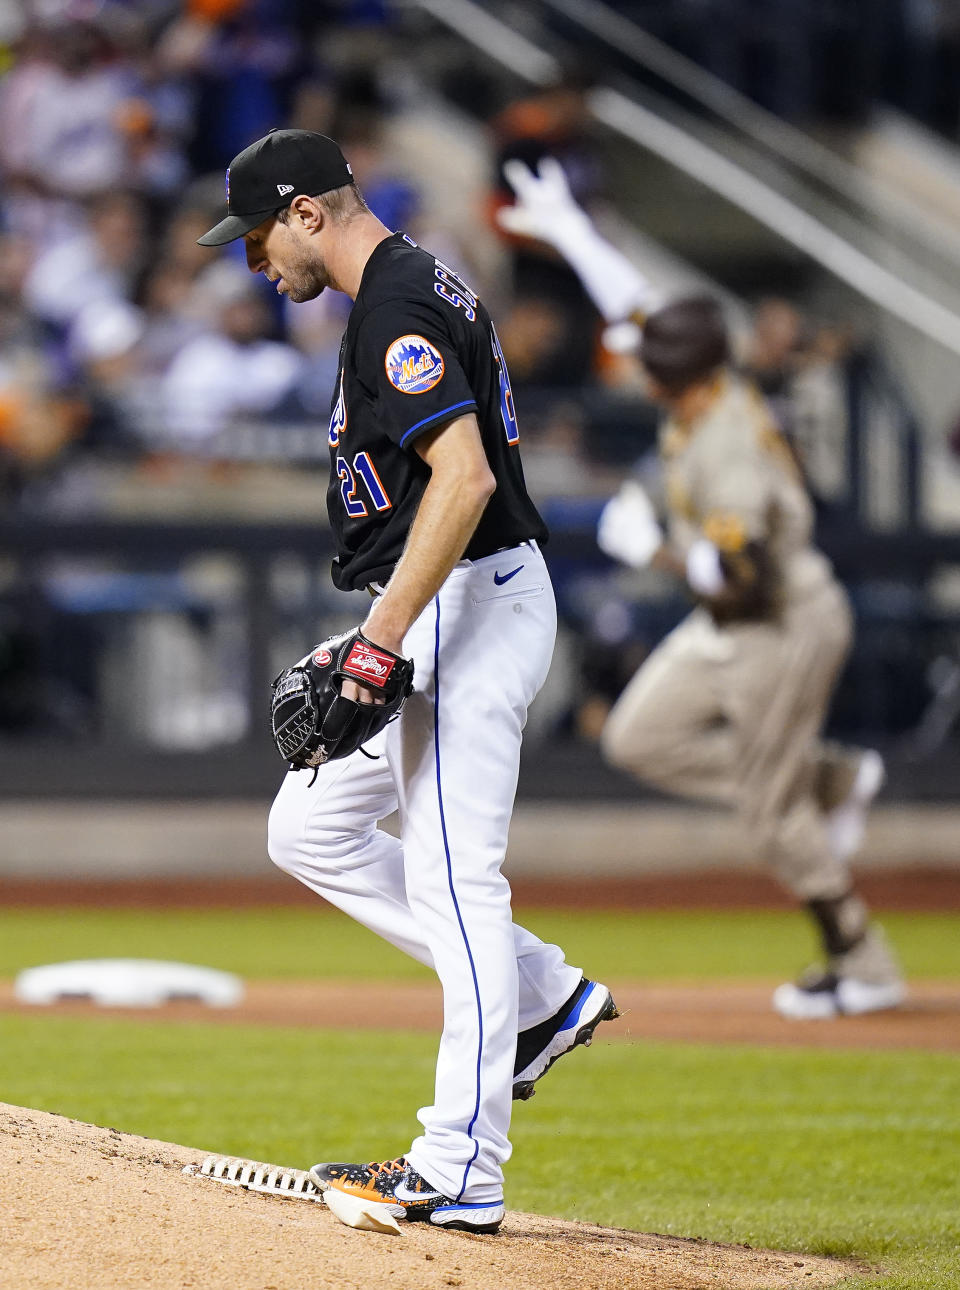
[128, 983]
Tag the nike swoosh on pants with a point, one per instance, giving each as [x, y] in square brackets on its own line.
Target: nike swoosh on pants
[501, 578]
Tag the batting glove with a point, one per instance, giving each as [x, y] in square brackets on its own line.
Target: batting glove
[545, 209]
[628, 530]
[704, 568]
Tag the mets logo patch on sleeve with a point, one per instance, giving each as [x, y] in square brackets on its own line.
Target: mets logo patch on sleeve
[413, 365]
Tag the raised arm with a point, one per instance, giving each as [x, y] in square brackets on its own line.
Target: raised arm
[546, 210]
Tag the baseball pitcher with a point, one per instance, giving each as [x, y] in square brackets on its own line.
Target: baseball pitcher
[421, 709]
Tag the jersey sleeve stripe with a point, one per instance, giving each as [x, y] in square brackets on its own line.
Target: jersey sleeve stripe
[437, 416]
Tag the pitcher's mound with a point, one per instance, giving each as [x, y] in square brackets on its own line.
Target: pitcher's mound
[94, 1209]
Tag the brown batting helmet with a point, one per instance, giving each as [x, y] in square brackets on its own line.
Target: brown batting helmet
[684, 342]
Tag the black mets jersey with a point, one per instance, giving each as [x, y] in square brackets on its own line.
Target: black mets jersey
[419, 350]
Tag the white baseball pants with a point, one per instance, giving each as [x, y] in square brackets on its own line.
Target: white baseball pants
[449, 766]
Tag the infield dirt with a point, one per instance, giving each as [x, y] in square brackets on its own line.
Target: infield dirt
[95, 1209]
[716, 1013]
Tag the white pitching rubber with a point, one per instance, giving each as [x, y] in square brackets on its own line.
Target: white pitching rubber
[270, 1180]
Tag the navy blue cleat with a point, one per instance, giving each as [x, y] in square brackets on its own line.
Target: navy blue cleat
[540, 1046]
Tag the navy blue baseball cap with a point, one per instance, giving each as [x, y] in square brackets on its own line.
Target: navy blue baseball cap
[265, 177]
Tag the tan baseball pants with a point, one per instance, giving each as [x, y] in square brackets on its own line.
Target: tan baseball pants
[733, 714]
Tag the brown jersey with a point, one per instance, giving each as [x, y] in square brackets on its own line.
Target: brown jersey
[731, 477]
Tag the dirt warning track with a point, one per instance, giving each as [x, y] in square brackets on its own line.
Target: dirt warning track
[729, 1012]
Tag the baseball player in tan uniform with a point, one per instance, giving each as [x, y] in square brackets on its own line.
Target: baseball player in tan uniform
[729, 708]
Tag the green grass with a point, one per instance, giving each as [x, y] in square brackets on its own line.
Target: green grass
[826, 1152]
[833, 1153]
[293, 942]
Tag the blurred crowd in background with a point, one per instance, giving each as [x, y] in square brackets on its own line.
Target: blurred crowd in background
[132, 359]
[123, 342]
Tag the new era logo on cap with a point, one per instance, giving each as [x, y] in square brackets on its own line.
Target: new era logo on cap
[310, 163]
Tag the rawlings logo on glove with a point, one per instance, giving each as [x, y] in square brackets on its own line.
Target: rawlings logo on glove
[313, 723]
[373, 666]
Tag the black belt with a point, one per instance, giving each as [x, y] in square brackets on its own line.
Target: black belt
[377, 588]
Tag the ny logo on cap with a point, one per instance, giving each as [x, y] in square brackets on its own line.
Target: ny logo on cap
[283, 189]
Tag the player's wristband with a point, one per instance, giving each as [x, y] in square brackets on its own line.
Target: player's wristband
[622, 338]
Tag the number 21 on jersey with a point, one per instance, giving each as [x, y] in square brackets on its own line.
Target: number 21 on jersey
[364, 468]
